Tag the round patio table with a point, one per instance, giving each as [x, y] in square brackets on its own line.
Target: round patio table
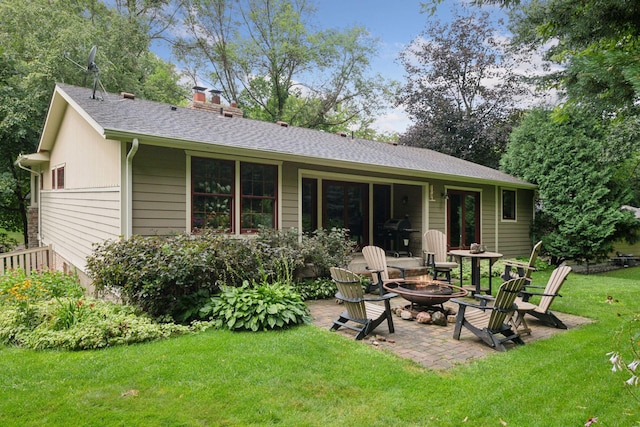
[475, 266]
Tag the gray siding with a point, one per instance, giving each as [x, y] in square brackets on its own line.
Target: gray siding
[514, 236]
[289, 208]
[159, 191]
[72, 221]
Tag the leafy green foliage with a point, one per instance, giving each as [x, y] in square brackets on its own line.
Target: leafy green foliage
[257, 307]
[318, 288]
[36, 38]
[325, 249]
[173, 276]
[79, 324]
[567, 157]
[7, 243]
[278, 67]
[17, 287]
[455, 109]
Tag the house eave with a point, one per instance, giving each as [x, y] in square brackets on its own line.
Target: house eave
[33, 159]
[273, 155]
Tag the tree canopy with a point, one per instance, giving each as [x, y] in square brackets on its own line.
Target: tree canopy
[574, 167]
[462, 90]
[266, 55]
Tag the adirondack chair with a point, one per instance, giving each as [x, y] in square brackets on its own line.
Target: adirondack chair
[487, 321]
[513, 269]
[541, 311]
[376, 260]
[363, 314]
[436, 254]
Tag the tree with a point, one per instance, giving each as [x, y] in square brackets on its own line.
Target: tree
[277, 68]
[597, 43]
[461, 90]
[568, 157]
[37, 38]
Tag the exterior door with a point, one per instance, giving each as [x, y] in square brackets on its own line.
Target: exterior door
[463, 218]
[346, 205]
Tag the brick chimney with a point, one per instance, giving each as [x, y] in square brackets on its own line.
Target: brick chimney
[198, 94]
[215, 106]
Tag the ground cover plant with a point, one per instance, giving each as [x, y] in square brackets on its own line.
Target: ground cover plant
[48, 310]
[309, 376]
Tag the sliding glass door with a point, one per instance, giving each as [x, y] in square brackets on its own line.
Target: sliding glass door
[463, 218]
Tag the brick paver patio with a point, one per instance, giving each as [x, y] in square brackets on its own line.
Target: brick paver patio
[430, 345]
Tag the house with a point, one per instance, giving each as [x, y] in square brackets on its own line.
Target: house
[115, 165]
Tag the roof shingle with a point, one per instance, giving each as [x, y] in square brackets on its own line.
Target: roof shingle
[157, 120]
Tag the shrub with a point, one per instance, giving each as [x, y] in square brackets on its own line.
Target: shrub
[46, 310]
[257, 307]
[174, 276]
[313, 289]
[156, 274]
[325, 249]
[7, 243]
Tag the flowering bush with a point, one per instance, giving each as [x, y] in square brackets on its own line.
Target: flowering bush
[46, 310]
[18, 287]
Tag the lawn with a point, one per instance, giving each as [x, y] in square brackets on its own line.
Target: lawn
[311, 377]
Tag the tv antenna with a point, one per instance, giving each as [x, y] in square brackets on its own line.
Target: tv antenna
[91, 68]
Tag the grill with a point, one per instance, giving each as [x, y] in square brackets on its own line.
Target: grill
[396, 232]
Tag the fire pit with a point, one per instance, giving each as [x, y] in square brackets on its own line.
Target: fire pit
[425, 291]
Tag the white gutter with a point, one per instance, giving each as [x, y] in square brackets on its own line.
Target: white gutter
[129, 188]
[37, 174]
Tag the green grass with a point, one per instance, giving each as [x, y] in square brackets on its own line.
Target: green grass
[311, 377]
[17, 235]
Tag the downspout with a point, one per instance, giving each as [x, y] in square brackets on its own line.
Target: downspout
[37, 174]
[129, 183]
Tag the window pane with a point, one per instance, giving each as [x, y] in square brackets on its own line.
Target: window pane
[309, 205]
[258, 196]
[257, 213]
[60, 179]
[211, 212]
[508, 204]
[258, 180]
[212, 176]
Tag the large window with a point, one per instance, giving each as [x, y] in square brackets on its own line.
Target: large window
[258, 183]
[509, 205]
[212, 194]
[215, 197]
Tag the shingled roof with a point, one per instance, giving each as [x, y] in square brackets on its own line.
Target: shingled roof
[116, 117]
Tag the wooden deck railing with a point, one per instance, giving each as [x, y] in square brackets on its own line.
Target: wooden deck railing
[28, 259]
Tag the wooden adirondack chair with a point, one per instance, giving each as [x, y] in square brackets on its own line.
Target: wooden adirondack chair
[376, 260]
[489, 321]
[541, 311]
[513, 269]
[436, 254]
[363, 314]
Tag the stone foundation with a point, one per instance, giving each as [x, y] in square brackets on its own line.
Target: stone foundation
[32, 227]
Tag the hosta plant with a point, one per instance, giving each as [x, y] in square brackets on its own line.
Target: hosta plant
[257, 307]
